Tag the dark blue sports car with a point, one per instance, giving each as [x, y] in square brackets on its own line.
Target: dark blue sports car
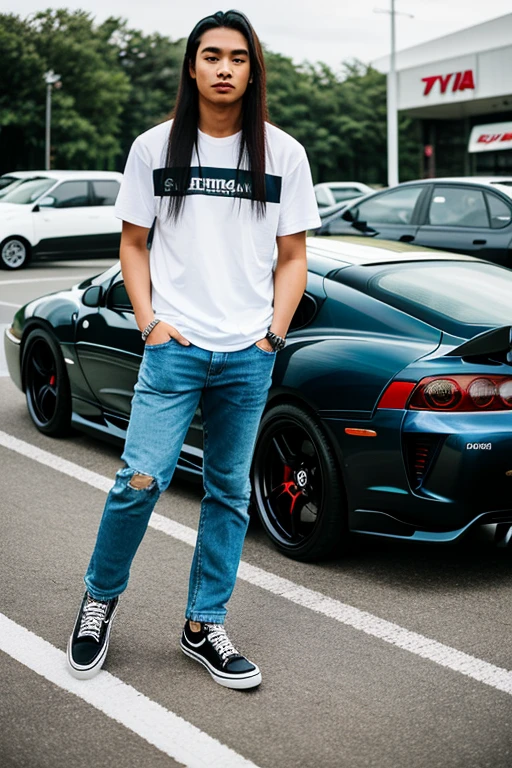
[391, 409]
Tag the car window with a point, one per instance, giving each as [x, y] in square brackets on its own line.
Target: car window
[345, 193]
[444, 293]
[499, 211]
[118, 298]
[458, 207]
[104, 278]
[105, 192]
[28, 191]
[71, 194]
[395, 207]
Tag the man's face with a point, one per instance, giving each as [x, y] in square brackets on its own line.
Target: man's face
[222, 68]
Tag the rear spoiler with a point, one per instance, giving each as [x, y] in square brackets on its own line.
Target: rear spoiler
[497, 341]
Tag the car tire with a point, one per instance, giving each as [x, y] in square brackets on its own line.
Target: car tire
[297, 486]
[46, 384]
[14, 253]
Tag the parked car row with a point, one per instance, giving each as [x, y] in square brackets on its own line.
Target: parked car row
[463, 215]
[49, 214]
[56, 214]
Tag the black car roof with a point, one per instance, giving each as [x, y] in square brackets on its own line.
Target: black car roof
[334, 252]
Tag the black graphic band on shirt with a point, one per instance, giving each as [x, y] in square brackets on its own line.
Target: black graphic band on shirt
[220, 182]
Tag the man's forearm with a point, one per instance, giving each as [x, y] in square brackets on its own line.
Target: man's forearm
[136, 275]
[290, 278]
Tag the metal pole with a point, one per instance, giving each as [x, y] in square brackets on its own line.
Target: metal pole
[392, 108]
[50, 79]
[48, 125]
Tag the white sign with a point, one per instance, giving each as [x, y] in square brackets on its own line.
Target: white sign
[490, 137]
[444, 82]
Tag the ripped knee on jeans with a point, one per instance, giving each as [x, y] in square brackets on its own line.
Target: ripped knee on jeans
[140, 481]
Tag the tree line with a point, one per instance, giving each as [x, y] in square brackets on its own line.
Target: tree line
[117, 82]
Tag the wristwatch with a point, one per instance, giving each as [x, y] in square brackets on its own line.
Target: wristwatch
[276, 342]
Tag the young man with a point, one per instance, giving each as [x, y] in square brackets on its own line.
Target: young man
[218, 185]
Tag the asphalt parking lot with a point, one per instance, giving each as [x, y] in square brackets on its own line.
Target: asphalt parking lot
[394, 656]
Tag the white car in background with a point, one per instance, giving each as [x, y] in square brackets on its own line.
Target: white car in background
[58, 214]
[332, 192]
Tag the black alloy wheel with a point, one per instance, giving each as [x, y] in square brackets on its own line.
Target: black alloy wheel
[14, 253]
[46, 384]
[297, 485]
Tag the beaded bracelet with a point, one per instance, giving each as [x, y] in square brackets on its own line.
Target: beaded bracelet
[149, 327]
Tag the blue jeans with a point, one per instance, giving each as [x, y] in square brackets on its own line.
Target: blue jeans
[232, 388]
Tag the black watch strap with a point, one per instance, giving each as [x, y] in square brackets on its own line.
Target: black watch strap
[276, 342]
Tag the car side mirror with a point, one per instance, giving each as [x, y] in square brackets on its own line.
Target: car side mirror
[92, 296]
[349, 216]
[47, 202]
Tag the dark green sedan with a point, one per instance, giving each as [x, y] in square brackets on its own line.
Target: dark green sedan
[391, 407]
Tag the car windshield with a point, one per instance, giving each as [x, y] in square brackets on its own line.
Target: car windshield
[28, 192]
[6, 181]
[9, 185]
[449, 295]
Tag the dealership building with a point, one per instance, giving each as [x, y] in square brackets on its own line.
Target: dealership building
[460, 89]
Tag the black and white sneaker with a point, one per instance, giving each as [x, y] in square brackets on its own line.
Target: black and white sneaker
[88, 645]
[215, 651]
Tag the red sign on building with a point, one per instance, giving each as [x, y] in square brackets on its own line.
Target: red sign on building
[461, 81]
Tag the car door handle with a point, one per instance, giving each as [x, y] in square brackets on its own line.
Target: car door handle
[479, 242]
[407, 238]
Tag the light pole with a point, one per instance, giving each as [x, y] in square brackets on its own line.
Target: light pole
[392, 108]
[392, 91]
[50, 79]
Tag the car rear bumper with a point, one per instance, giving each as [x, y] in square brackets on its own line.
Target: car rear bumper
[466, 458]
[427, 476]
[12, 347]
[383, 524]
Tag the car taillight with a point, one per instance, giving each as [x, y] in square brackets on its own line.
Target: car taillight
[441, 393]
[462, 393]
[506, 392]
[482, 392]
[396, 395]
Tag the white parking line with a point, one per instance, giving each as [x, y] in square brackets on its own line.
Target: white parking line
[168, 732]
[8, 304]
[43, 279]
[391, 633]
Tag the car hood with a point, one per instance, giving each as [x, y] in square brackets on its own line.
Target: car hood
[10, 211]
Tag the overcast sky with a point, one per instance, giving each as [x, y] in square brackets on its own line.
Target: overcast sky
[317, 30]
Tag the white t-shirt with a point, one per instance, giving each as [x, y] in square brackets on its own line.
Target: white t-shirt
[212, 270]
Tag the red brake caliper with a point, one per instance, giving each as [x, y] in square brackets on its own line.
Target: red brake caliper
[52, 380]
[287, 486]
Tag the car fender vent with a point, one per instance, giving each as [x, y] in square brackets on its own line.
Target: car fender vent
[419, 452]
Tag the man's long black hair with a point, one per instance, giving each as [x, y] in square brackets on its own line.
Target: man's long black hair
[183, 135]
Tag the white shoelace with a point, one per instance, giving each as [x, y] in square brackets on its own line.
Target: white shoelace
[92, 619]
[221, 642]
